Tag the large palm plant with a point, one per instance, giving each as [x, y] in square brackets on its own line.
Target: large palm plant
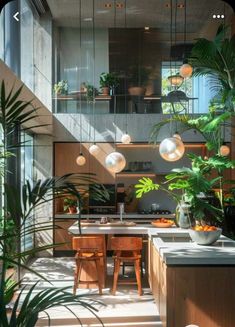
[216, 59]
[18, 208]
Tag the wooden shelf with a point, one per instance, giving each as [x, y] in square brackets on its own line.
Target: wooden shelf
[136, 174]
[147, 145]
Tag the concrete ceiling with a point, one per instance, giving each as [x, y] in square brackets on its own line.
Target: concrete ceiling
[139, 13]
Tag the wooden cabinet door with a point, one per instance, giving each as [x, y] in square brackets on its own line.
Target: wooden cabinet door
[163, 292]
[61, 234]
[155, 275]
[150, 263]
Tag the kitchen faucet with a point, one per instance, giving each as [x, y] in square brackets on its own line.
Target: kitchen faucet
[121, 211]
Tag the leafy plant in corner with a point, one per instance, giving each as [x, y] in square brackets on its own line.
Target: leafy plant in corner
[18, 208]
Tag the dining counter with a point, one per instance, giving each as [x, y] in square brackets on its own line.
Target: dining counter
[173, 244]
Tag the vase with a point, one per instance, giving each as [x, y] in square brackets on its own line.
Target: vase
[182, 215]
[137, 90]
[72, 210]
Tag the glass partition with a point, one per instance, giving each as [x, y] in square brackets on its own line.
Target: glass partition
[137, 47]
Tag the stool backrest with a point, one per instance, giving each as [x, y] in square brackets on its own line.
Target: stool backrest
[88, 242]
[129, 243]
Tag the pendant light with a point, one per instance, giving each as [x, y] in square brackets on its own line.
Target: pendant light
[175, 80]
[224, 150]
[81, 160]
[172, 148]
[115, 162]
[186, 69]
[94, 149]
[126, 139]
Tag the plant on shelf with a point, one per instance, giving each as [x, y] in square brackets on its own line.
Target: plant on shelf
[70, 205]
[61, 88]
[91, 92]
[18, 208]
[108, 83]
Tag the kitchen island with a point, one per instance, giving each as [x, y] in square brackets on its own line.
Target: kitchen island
[191, 284]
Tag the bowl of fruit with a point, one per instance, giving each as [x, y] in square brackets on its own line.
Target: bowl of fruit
[205, 235]
[163, 223]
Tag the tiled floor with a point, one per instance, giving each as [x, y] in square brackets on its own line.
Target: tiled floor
[126, 308]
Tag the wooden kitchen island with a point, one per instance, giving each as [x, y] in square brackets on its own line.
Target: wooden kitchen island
[191, 284]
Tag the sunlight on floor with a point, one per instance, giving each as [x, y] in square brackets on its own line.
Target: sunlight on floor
[126, 308]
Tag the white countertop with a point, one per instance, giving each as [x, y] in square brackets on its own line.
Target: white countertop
[125, 216]
[180, 250]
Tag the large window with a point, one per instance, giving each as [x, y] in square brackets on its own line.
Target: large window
[27, 174]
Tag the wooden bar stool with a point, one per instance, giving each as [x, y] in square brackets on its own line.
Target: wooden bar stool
[89, 255]
[127, 249]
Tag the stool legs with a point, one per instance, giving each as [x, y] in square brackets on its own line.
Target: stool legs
[77, 275]
[99, 276]
[115, 275]
[138, 276]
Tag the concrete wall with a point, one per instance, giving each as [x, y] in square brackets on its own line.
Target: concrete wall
[42, 170]
[67, 128]
[43, 60]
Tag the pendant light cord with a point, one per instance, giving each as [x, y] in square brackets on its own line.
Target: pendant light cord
[115, 100]
[80, 40]
[94, 55]
[175, 41]
[171, 38]
[125, 86]
[185, 29]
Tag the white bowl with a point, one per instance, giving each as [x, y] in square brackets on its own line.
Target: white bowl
[205, 237]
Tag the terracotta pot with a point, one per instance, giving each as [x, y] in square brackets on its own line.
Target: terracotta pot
[137, 90]
[72, 210]
[105, 90]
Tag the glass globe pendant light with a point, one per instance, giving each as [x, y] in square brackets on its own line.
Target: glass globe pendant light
[115, 162]
[126, 139]
[186, 70]
[171, 149]
[81, 160]
[224, 150]
[94, 150]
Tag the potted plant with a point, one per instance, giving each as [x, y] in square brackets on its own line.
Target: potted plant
[108, 83]
[138, 79]
[91, 93]
[61, 88]
[70, 205]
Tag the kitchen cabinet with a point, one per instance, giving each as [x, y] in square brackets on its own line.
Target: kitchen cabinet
[61, 235]
[200, 295]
